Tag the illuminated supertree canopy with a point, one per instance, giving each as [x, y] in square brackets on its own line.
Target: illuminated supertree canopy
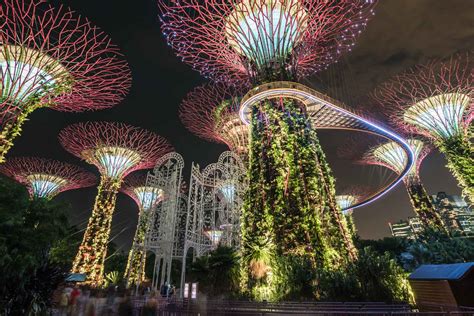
[290, 184]
[235, 41]
[51, 57]
[46, 178]
[146, 197]
[436, 100]
[116, 149]
[212, 113]
[392, 156]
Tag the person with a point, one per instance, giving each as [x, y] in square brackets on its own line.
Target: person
[151, 306]
[125, 307]
[164, 290]
[63, 302]
[73, 299]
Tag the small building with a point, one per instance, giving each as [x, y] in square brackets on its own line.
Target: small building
[443, 287]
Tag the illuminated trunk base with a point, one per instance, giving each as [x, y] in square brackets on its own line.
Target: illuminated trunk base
[135, 271]
[422, 205]
[460, 155]
[290, 214]
[93, 249]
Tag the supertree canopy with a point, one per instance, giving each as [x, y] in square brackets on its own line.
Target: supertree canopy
[212, 113]
[262, 40]
[436, 99]
[392, 156]
[116, 149]
[46, 178]
[290, 209]
[51, 57]
[146, 197]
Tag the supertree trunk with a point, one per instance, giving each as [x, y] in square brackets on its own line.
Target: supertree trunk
[422, 205]
[291, 196]
[12, 129]
[135, 272]
[459, 153]
[92, 252]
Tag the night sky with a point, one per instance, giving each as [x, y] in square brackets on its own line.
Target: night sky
[402, 33]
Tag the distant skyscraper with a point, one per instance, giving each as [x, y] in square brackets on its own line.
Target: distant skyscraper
[455, 212]
[457, 215]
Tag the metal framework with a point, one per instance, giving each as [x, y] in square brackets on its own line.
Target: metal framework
[215, 203]
[46, 178]
[238, 41]
[166, 222]
[51, 57]
[212, 113]
[116, 149]
[327, 113]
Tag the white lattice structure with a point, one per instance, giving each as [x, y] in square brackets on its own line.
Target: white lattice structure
[166, 223]
[214, 206]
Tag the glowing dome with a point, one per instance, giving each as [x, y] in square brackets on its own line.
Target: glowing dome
[26, 73]
[441, 115]
[266, 30]
[44, 185]
[116, 160]
[148, 196]
[228, 190]
[214, 236]
[346, 201]
[394, 157]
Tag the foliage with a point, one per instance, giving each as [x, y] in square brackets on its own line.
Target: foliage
[433, 247]
[290, 207]
[28, 229]
[64, 250]
[217, 272]
[459, 152]
[112, 278]
[116, 261]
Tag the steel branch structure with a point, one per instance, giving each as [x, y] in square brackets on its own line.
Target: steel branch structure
[116, 149]
[146, 198]
[392, 156]
[238, 41]
[212, 113]
[51, 57]
[436, 100]
[46, 178]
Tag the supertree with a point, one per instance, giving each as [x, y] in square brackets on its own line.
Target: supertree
[53, 58]
[46, 178]
[116, 149]
[291, 186]
[348, 198]
[212, 113]
[436, 100]
[146, 197]
[392, 156]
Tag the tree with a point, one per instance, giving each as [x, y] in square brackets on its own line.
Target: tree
[28, 229]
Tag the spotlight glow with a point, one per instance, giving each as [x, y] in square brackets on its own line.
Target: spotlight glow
[266, 30]
[44, 185]
[441, 115]
[116, 160]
